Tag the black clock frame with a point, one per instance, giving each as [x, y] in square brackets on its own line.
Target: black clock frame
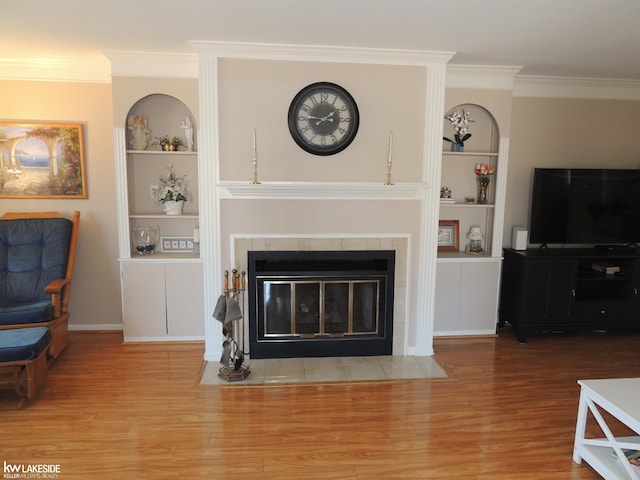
[306, 93]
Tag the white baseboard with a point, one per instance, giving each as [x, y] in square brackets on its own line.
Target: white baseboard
[96, 327]
[464, 333]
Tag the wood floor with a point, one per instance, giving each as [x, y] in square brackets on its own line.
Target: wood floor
[507, 411]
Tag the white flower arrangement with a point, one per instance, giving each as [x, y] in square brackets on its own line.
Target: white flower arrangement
[172, 188]
[460, 123]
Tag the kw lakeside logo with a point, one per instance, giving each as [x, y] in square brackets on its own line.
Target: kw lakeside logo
[37, 470]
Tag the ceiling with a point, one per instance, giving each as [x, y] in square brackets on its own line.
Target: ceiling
[566, 38]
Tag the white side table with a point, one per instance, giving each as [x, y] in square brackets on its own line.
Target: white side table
[621, 398]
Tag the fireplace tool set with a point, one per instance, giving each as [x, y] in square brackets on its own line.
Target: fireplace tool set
[228, 311]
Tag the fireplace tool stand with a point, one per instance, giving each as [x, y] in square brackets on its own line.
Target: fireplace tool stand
[229, 312]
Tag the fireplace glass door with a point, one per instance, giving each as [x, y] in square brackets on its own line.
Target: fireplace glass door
[320, 303]
[309, 308]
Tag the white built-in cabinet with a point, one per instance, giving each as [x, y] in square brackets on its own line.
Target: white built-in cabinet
[162, 301]
[162, 294]
[467, 285]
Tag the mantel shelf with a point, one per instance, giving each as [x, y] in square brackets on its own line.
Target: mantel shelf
[319, 190]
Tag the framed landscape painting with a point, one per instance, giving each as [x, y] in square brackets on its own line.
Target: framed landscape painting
[42, 160]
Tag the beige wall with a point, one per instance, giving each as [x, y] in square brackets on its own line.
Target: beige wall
[543, 132]
[552, 132]
[257, 94]
[95, 297]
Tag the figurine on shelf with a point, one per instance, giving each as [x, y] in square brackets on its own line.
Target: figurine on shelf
[187, 125]
[139, 131]
[445, 192]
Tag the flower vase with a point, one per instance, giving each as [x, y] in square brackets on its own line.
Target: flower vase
[173, 208]
[483, 186]
[457, 147]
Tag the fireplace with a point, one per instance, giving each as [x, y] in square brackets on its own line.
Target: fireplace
[320, 303]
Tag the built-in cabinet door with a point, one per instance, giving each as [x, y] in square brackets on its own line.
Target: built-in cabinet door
[185, 298]
[162, 301]
[466, 297]
[447, 301]
[143, 301]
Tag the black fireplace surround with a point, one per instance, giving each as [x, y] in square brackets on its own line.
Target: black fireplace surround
[320, 303]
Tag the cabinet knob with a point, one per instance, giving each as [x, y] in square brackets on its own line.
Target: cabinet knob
[635, 291]
[573, 292]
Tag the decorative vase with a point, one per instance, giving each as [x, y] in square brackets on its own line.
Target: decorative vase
[145, 239]
[169, 147]
[483, 186]
[457, 147]
[173, 208]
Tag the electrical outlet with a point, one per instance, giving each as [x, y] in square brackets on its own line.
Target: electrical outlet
[152, 189]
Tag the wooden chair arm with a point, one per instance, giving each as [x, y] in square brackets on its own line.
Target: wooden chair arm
[56, 286]
[55, 290]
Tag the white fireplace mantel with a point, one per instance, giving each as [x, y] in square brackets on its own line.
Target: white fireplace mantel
[322, 190]
[424, 219]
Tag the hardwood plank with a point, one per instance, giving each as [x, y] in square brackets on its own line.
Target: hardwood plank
[508, 410]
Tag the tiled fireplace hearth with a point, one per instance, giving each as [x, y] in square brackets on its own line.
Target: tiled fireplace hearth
[320, 303]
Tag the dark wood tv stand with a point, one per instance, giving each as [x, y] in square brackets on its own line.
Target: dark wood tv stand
[557, 289]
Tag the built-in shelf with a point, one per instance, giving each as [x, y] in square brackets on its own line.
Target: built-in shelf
[159, 152]
[470, 154]
[468, 205]
[163, 216]
[158, 256]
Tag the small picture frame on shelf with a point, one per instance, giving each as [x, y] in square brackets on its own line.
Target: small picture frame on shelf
[449, 236]
[176, 244]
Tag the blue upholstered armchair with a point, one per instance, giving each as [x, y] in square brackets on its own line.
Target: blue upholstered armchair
[37, 252]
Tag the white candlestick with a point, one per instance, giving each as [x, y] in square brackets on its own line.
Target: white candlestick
[390, 148]
[254, 140]
[196, 235]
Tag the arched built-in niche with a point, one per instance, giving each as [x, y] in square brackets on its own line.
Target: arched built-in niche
[162, 115]
[459, 176]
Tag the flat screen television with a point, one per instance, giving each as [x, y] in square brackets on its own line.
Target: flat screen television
[585, 206]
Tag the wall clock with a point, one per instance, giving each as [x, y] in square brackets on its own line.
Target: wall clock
[323, 118]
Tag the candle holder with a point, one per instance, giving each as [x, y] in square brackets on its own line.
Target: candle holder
[389, 160]
[255, 169]
[254, 161]
[388, 182]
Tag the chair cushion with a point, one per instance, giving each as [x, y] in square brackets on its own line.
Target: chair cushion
[18, 313]
[23, 343]
[33, 253]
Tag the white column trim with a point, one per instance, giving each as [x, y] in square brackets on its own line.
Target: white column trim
[425, 301]
[209, 201]
[120, 153]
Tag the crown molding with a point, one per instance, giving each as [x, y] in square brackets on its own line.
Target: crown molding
[320, 53]
[153, 64]
[576, 87]
[486, 77]
[94, 69]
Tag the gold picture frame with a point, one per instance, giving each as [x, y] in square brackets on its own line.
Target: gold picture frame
[42, 160]
[449, 236]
